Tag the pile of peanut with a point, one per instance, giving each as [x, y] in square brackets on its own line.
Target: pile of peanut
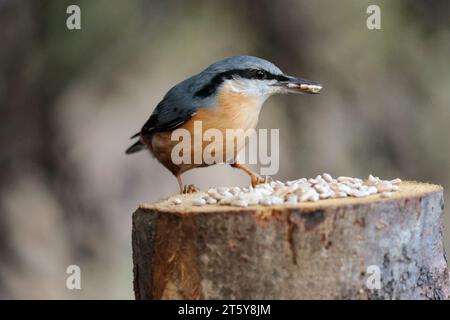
[301, 190]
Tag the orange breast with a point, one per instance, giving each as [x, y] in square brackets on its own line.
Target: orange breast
[233, 110]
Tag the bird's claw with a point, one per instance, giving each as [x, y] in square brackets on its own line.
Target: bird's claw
[256, 179]
[190, 188]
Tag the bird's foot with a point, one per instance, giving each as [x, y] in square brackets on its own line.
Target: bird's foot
[190, 188]
[257, 179]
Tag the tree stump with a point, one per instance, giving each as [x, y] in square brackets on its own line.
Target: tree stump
[323, 250]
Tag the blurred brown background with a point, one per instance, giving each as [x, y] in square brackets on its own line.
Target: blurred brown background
[69, 100]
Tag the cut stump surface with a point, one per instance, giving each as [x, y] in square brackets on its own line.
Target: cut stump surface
[330, 249]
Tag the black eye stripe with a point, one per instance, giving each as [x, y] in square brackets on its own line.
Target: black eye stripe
[217, 80]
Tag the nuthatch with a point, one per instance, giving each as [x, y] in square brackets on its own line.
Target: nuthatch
[228, 94]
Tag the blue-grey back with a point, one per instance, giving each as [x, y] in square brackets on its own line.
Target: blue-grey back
[181, 102]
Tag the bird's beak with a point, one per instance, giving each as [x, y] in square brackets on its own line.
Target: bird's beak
[299, 85]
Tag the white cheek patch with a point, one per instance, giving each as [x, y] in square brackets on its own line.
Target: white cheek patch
[235, 86]
[251, 87]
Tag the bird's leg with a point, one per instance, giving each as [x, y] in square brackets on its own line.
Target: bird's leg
[190, 188]
[180, 182]
[255, 178]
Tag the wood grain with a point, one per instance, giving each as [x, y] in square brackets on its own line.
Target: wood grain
[315, 250]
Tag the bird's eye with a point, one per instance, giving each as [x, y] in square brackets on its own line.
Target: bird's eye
[260, 74]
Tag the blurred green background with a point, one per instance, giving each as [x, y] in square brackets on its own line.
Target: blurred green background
[69, 100]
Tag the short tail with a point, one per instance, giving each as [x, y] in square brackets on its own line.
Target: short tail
[138, 146]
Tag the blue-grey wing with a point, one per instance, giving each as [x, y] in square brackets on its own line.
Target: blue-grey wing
[177, 107]
[167, 116]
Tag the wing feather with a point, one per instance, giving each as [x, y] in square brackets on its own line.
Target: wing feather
[178, 105]
[166, 117]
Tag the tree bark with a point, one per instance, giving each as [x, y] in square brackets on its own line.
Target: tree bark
[330, 249]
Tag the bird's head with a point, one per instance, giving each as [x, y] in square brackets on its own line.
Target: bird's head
[252, 76]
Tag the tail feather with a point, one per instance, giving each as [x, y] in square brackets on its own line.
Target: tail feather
[138, 146]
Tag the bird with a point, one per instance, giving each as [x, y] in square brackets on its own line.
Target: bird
[228, 94]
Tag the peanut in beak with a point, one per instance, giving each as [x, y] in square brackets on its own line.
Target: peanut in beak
[311, 88]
